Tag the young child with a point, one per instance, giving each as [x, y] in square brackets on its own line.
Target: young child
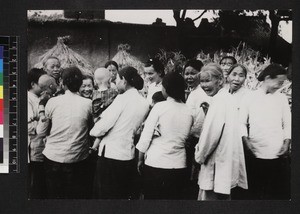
[49, 88]
[102, 97]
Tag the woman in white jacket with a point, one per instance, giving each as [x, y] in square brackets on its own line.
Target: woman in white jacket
[117, 127]
[219, 150]
[162, 143]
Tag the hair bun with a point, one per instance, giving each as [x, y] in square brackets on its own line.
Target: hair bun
[132, 77]
[138, 82]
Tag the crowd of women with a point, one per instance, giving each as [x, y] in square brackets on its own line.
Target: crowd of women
[197, 135]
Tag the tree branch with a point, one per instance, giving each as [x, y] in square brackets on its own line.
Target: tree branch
[200, 15]
[183, 15]
[176, 15]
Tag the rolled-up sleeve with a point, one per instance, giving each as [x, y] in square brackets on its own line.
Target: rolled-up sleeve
[147, 133]
[43, 126]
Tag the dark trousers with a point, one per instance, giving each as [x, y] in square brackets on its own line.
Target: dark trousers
[67, 180]
[268, 179]
[91, 171]
[191, 190]
[37, 181]
[114, 178]
[164, 183]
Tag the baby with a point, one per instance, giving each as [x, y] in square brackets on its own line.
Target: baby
[102, 97]
[48, 88]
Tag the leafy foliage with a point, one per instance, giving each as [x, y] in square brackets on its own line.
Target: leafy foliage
[173, 61]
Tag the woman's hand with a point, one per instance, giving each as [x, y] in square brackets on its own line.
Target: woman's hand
[249, 149]
[92, 150]
[285, 150]
[140, 166]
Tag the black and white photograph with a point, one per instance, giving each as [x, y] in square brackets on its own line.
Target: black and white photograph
[178, 104]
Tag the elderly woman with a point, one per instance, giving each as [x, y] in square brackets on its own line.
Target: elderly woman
[117, 127]
[219, 150]
[162, 142]
[236, 77]
[67, 144]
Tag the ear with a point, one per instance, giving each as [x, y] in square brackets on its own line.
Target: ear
[33, 84]
[124, 81]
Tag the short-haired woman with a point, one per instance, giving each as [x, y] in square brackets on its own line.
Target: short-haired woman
[113, 68]
[219, 150]
[87, 87]
[67, 144]
[226, 62]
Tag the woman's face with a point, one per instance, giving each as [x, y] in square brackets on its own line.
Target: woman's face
[86, 89]
[113, 70]
[191, 77]
[226, 65]
[152, 75]
[121, 84]
[210, 84]
[236, 79]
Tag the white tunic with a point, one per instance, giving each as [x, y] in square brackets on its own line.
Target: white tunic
[194, 101]
[220, 150]
[173, 122]
[269, 119]
[118, 125]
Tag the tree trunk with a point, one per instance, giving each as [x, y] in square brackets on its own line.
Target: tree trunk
[179, 20]
[274, 33]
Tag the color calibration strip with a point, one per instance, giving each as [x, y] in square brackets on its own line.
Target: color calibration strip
[9, 103]
[1, 105]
